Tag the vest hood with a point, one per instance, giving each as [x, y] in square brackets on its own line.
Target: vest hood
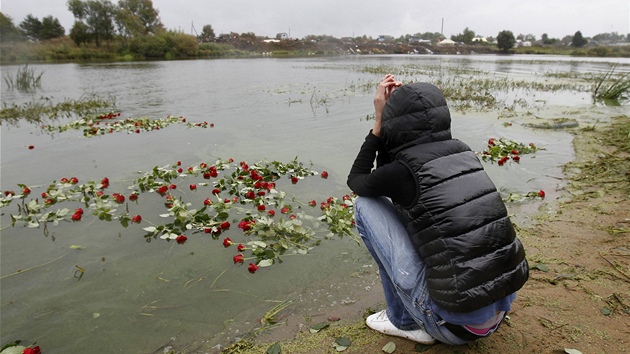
[415, 114]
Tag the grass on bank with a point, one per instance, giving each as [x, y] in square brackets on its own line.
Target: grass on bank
[609, 87]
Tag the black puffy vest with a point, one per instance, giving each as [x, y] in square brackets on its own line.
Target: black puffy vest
[458, 223]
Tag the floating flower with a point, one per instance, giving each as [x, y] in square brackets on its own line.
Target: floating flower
[137, 219]
[324, 174]
[240, 247]
[227, 242]
[181, 239]
[252, 268]
[238, 258]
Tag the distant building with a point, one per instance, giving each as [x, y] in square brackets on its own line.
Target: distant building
[384, 38]
[446, 43]
[480, 39]
[282, 35]
[419, 40]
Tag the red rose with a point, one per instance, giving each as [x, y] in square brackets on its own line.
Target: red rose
[324, 206]
[78, 211]
[180, 170]
[137, 219]
[491, 142]
[532, 145]
[312, 203]
[105, 182]
[516, 158]
[252, 268]
[330, 200]
[8, 193]
[181, 239]
[44, 195]
[271, 213]
[514, 152]
[206, 175]
[285, 210]
[240, 247]
[324, 174]
[238, 258]
[250, 195]
[179, 163]
[227, 242]
[34, 350]
[190, 169]
[31, 147]
[292, 216]
[207, 201]
[64, 180]
[162, 190]
[216, 191]
[207, 230]
[261, 207]
[225, 225]
[294, 180]
[271, 185]
[213, 173]
[133, 197]
[173, 186]
[203, 165]
[541, 193]
[346, 197]
[193, 187]
[26, 191]
[74, 180]
[261, 193]
[119, 198]
[49, 201]
[76, 217]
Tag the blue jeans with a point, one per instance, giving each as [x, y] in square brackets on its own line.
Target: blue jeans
[402, 270]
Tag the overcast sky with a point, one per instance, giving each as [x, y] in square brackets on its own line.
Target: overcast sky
[343, 18]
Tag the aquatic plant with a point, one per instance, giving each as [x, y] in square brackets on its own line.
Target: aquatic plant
[26, 80]
[607, 87]
[45, 108]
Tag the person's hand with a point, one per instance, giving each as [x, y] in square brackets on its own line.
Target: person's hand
[383, 91]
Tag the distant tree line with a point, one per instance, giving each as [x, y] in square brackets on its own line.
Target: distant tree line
[134, 26]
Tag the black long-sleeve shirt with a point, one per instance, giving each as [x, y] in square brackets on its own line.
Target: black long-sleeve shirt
[390, 179]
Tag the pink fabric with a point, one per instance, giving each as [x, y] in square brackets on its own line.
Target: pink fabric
[486, 327]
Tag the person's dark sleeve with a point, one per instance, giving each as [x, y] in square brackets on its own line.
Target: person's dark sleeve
[393, 180]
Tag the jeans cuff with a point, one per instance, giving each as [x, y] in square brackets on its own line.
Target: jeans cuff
[403, 327]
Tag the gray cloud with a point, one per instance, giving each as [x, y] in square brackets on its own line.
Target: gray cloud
[557, 18]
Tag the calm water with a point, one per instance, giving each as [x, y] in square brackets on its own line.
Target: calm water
[137, 296]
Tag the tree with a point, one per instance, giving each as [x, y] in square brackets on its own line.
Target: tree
[505, 40]
[80, 33]
[8, 31]
[578, 41]
[465, 37]
[97, 16]
[207, 34]
[31, 27]
[51, 28]
[138, 18]
[546, 40]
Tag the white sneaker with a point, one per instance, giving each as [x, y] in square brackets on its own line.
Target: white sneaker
[380, 322]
